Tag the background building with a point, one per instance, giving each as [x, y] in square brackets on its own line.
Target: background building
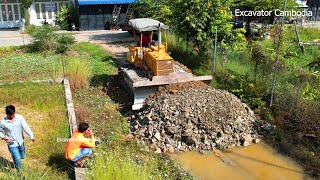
[96, 14]
[41, 10]
[9, 14]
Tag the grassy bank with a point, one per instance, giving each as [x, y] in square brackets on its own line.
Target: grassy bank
[43, 106]
[118, 156]
[248, 75]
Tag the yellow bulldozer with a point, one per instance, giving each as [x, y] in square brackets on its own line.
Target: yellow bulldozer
[150, 65]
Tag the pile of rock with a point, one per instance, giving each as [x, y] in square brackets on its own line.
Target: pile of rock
[196, 117]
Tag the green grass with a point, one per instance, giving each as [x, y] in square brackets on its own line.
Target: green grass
[36, 96]
[290, 47]
[306, 34]
[43, 106]
[27, 67]
[238, 62]
[116, 164]
[79, 72]
[102, 64]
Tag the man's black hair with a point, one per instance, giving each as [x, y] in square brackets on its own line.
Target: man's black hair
[83, 127]
[10, 110]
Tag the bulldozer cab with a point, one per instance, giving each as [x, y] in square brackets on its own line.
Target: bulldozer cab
[148, 52]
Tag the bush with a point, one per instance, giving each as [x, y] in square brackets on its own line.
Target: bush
[45, 39]
[295, 113]
[64, 40]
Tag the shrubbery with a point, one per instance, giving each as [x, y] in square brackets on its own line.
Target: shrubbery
[45, 39]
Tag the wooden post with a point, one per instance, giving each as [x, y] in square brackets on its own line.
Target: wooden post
[298, 37]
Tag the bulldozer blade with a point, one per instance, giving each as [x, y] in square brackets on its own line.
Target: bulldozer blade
[140, 95]
[140, 87]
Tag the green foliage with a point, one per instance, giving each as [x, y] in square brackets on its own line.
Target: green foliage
[246, 89]
[8, 50]
[45, 39]
[35, 96]
[314, 65]
[24, 6]
[306, 34]
[159, 10]
[116, 164]
[101, 61]
[267, 5]
[64, 40]
[196, 22]
[63, 14]
[311, 91]
[92, 50]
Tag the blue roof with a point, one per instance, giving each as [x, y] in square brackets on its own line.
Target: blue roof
[95, 2]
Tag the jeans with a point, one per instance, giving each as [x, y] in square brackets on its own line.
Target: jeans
[17, 154]
[83, 152]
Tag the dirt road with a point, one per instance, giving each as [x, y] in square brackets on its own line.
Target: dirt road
[13, 37]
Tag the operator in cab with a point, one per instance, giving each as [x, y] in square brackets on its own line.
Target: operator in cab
[146, 39]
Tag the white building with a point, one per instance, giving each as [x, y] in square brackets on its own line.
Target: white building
[40, 10]
[9, 14]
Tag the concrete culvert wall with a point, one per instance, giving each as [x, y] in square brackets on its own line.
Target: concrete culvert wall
[194, 116]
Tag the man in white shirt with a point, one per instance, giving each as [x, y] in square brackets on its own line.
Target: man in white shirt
[13, 125]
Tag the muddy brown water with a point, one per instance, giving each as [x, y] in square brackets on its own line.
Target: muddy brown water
[255, 162]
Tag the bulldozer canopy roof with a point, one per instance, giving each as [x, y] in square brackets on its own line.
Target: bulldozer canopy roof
[147, 24]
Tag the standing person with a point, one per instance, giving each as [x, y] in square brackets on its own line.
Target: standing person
[78, 146]
[13, 125]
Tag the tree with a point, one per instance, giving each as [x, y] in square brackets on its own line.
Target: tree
[257, 5]
[194, 20]
[156, 9]
[197, 21]
[24, 6]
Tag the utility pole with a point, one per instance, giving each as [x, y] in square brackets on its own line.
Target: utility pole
[277, 56]
[20, 22]
[215, 50]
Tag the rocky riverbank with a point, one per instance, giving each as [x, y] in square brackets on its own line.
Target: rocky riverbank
[194, 116]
